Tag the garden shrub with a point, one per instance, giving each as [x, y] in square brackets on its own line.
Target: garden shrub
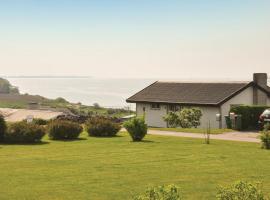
[250, 115]
[40, 121]
[185, 118]
[3, 127]
[64, 130]
[23, 132]
[265, 137]
[137, 128]
[102, 127]
[241, 190]
[170, 192]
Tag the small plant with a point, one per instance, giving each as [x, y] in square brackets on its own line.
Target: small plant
[207, 133]
[3, 127]
[101, 127]
[40, 121]
[265, 137]
[64, 130]
[137, 128]
[241, 190]
[23, 132]
[170, 192]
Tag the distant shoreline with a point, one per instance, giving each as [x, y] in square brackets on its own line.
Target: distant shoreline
[46, 76]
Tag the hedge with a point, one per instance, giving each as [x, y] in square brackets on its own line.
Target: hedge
[250, 115]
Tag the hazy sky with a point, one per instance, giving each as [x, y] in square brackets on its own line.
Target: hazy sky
[135, 38]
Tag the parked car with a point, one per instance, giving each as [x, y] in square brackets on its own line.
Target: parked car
[264, 118]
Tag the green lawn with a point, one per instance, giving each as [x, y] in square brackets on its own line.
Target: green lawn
[115, 168]
[194, 130]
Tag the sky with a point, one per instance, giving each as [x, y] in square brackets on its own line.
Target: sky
[135, 38]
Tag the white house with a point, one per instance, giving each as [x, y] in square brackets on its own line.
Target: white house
[156, 100]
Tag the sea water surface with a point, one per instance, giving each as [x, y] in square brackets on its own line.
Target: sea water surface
[107, 92]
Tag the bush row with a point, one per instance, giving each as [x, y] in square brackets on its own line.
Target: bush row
[240, 190]
[23, 132]
[250, 115]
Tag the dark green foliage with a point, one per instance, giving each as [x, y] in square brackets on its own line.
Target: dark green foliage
[137, 128]
[170, 192]
[250, 115]
[60, 100]
[241, 190]
[265, 137]
[228, 122]
[40, 121]
[7, 88]
[64, 130]
[3, 127]
[102, 127]
[172, 119]
[23, 132]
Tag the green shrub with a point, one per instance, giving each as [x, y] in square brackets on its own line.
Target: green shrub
[23, 132]
[185, 118]
[250, 115]
[137, 128]
[240, 190]
[102, 127]
[64, 130]
[265, 137]
[40, 121]
[3, 127]
[170, 192]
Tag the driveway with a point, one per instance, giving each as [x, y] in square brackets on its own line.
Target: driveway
[232, 136]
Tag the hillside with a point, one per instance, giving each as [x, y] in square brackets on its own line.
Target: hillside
[11, 98]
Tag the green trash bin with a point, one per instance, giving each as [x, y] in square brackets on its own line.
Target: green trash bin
[238, 122]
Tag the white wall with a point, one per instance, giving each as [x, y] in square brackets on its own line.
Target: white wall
[245, 97]
[153, 117]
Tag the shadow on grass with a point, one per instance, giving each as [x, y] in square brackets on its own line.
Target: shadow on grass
[116, 136]
[68, 140]
[25, 144]
[144, 141]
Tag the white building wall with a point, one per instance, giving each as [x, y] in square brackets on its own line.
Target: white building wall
[245, 97]
[154, 117]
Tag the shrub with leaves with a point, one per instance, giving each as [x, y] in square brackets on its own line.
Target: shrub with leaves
[185, 118]
[265, 137]
[102, 127]
[3, 127]
[23, 132]
[64, 130]
[170, 192]
[136, 127]
[241, 190]
[172, 118]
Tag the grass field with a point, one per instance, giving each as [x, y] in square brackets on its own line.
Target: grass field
[194, 130]
[115, 168]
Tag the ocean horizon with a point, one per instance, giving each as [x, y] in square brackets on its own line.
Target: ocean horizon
[107, 92]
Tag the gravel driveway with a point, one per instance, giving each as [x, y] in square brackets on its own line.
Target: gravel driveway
[232, 136]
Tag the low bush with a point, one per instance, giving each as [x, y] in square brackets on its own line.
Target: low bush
[265, 137]
[241, 190]
[170, 192]
[64, 130]
[3, 127]
[250, 115]
[40, 121]
[23, 132]
[137, 128]
[101, 127]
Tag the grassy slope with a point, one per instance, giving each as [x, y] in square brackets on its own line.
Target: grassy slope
[194, 130]
[115, 168]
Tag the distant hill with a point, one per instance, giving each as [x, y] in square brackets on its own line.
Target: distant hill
[7, 88]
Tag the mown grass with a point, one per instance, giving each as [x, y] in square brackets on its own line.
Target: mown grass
[116, 168]
[194, 130]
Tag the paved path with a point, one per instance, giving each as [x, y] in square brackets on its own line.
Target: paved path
[232, 136]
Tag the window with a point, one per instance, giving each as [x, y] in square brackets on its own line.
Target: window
[174, 108]
[155, 106]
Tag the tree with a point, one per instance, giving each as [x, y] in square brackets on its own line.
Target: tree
[186, 118]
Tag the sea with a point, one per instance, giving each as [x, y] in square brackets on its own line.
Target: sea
[107, 92]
